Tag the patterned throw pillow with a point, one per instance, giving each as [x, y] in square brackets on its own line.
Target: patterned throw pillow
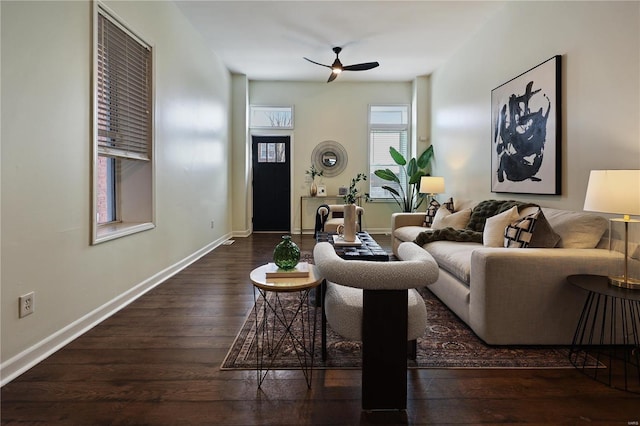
[432, 209]
[519, 233]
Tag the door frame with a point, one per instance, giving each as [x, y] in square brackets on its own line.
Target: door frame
[272, 133]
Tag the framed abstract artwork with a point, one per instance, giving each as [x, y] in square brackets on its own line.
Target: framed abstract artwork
[525, 132]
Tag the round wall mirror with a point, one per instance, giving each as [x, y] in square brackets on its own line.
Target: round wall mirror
[330, 157]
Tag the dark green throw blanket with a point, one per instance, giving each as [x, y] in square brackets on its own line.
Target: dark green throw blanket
[474, 229]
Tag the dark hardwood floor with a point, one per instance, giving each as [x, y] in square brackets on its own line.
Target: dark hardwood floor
[157, 362]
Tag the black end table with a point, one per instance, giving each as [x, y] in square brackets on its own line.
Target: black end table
[608, 333]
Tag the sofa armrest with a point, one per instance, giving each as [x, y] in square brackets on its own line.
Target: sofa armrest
[511, 286]
[399, 220]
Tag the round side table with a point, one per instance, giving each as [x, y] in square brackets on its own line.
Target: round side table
[606, 344]
[277, 322]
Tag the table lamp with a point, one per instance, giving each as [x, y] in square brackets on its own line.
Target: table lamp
[431, 185]
[618, 192]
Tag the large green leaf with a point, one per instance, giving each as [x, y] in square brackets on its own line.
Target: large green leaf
[387, 174]
[391, 190]
[412, 167]
[415, 178]
[397, 157]
[425, 157]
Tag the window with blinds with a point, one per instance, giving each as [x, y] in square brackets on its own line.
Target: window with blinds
[388, 127]
[123, 132]
[123, 92]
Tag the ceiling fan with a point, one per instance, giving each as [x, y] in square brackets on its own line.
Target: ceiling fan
[337, 67]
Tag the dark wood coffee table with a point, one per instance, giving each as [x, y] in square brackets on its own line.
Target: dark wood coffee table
[368, 250]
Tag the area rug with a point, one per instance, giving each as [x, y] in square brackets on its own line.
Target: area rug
[447, 343]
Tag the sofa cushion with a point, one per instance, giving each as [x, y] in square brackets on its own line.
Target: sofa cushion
[445, 219]
[543, 235]
[454, 257]
[576, 229]
[408, 233]
[494, 228]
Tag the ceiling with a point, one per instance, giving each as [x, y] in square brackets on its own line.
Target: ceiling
[267, 40]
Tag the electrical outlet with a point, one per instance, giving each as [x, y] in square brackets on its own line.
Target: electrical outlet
[212, 223]
[27, 304]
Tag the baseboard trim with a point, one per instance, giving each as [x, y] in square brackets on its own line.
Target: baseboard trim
[15, 366]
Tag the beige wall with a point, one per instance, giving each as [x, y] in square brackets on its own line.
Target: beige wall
[46, 95]
[338, 112]
[599, 44]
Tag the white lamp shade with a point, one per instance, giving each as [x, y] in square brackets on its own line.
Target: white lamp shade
[613, 191]
[432, 185]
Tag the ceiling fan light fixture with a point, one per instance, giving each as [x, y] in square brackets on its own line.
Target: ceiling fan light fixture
[337, 67]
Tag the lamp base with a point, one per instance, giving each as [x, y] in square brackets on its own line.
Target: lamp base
[630, 283]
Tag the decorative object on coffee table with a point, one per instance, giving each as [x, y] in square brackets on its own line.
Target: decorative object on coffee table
[618, 192]
[286, 254]
[350, 207]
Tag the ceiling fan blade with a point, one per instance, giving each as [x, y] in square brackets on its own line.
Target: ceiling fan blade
[361, 67]
[332, 77]
[317, 63]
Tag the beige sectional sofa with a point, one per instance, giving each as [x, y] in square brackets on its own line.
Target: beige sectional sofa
[516, 296]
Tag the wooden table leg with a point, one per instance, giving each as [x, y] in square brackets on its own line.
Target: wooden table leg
[384, 350]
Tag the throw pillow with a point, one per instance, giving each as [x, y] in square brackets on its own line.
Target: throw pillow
[544, 235]
[493, 234]
[519, 233]
[445, 219]
[432, 209]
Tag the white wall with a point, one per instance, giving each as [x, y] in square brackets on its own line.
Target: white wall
[600, 47]
[46, 175]
[338, 112]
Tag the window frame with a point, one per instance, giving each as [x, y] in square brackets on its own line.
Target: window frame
[381, 127]
[134, 176]
[253, 109]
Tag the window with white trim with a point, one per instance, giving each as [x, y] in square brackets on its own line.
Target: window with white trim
[122, 130]
[270, 117]
[388, 127]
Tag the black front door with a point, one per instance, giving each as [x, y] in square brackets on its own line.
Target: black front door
[271, 183]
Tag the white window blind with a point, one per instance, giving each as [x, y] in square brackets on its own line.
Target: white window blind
[388, 127]
[123, 92]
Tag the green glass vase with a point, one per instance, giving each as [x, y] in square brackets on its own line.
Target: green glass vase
[286, 254]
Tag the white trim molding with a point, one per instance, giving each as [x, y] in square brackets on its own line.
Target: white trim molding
[15, 366]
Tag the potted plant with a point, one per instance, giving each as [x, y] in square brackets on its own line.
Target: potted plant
[313, 172]
[409, 198]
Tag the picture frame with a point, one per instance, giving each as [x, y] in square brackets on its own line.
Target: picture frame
[322, 191]
[526, 132]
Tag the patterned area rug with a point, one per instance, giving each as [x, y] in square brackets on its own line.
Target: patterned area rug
[447, 343]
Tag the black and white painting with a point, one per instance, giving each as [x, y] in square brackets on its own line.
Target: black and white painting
[525, 135]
